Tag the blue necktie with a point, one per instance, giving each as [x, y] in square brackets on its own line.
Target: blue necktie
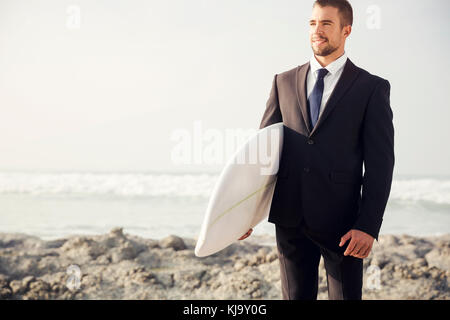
[315, 98]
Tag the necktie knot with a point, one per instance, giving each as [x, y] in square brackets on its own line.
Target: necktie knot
[322, 73]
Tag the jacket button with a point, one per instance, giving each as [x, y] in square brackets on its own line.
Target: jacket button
[310, 141]
[306, 169]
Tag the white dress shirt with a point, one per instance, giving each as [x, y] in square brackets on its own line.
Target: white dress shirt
[335, 69]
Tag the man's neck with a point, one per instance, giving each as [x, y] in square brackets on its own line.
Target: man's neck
[326, 60]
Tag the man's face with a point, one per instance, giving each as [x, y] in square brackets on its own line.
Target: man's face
[325, 31]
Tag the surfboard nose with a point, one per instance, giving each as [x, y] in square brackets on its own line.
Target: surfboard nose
[199, 252]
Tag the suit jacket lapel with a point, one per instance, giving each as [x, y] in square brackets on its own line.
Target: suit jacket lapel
[300, 84]
[348, 75]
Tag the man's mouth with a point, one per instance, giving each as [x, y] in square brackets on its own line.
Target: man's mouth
[319, 41]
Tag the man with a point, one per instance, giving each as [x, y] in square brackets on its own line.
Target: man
[336, 117]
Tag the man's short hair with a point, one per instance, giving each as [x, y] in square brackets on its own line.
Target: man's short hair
[344, 8]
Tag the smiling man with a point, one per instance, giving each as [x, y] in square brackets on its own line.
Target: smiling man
[336, 118]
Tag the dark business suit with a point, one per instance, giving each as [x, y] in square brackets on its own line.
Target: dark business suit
[317, 197]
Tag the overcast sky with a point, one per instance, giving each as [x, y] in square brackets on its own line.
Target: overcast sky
[103, 84]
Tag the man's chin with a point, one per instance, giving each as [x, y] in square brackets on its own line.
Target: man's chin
[324, 52]
[319, 53]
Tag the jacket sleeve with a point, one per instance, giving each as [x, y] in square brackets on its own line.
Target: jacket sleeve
[378, 152]
[273, 113]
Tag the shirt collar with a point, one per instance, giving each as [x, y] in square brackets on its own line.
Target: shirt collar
[332, 68]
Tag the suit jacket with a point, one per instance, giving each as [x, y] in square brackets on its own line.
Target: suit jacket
[320, 174]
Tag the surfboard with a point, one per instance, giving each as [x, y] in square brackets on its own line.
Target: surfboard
[242, 195]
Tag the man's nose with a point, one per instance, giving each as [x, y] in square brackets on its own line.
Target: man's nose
[317, 29]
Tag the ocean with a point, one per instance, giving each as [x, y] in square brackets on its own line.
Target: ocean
[154, 205]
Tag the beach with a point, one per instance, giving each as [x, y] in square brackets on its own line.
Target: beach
[118, 265]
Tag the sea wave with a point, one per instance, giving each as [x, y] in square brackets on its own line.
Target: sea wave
[405, 191]
[422, 190]
[117, 184]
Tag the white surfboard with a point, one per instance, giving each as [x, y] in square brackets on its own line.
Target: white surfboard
[243, 193]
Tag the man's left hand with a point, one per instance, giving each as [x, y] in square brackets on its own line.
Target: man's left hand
[360, 243]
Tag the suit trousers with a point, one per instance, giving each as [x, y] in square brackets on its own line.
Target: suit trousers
[299, 254]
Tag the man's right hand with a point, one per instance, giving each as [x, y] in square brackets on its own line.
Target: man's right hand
[249, 232]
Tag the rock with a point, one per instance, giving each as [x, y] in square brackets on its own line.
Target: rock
[5, 289]
[150, 258]
[255, 260]
[141, 275]
[271, 256]
[38, 290]
[389, 240]
[115, 266]
[421, 262]
[239, 265]
[114, 238]
[173, 242]
[27, 280]
[82, 249]
[17, 287]
[117, 232]
[5, 293]
[380, 260]
[39, 285]
[52, 244]
[125, 252]
[189, 280]
[104, 259]
[439, 257]
[166, 280]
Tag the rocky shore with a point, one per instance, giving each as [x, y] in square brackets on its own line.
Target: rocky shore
[122, 266]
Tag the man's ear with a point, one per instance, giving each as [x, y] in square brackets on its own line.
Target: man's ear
[347, 30]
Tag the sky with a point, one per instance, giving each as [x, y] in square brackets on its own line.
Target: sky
[105, 85]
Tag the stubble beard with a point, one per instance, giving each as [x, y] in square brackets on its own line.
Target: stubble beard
[323, 52]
